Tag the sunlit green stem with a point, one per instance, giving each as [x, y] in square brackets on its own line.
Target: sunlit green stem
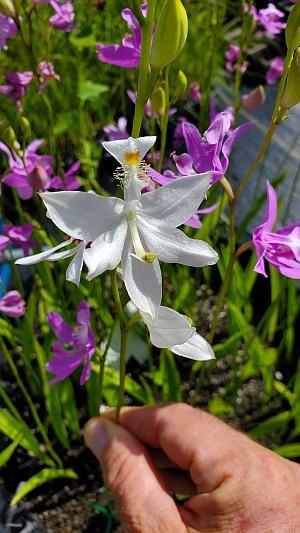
[116, 295]
[31, 405]
[123, 354]
[142, 95]
[164, 120]
[102, 363]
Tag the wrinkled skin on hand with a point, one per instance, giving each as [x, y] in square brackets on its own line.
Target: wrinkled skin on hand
[232, 484]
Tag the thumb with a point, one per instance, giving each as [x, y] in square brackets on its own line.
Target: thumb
[140, 496]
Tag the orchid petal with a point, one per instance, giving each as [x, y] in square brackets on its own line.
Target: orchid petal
[184, 163]
[168, 327]
[36, 258]
[119, 148]
[82, 215]
[119, 55]
[142, 280]
[172, 246]
[74, 269]
[106, 251]
[175, 202]
[61, 329]
[196, 347]
[192, 139]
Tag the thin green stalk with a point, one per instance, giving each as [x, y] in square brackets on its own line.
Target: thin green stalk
[31, 405]
[9, 404]
[143, 79]
[164, 121]
[116, 295]
[123, 353]
[102, 363]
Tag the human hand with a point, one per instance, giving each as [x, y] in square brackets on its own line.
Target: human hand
[234, 484]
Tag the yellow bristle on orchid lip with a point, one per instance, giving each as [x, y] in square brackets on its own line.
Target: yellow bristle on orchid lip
[132, 158]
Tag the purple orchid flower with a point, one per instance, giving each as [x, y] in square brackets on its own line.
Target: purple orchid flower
[232, 55]
[194, 92]
[19, 236]
[16, 86]
[280, 248]
[31, 173]
[81, 340]
[178, 137]
[64, 18]
[69, 182]
[46, 73]
[8, 29]
[118, 131]
[127, 54]
[12, 304]
[269, 18]
[211, 151]
[4, 243]
[275, 70]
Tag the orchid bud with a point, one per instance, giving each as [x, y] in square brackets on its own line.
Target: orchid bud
[7, 8]
[38, 178]
[25, 126]
[170, 35]
[292, 31]
[291, 95]
[180, 85]
[158, 100]
[10, 138]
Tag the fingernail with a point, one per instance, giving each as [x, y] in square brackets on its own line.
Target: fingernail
[96, 436]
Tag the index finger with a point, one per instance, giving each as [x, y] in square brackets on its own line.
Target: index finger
[191, 438]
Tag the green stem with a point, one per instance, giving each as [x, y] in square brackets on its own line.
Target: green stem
[164, 121]
[141, 98]
[30, 403]
[116, 295]
[102, 363]
[123, 353]
[265, 145]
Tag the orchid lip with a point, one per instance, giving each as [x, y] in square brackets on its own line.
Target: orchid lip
[146, 257]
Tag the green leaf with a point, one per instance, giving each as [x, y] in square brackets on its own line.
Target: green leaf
[290, 451]
[47, 474]
[171, 377]
[217, 406]
[90, 90]
[292, 31]
[6, 330]
[68, 403]
[111, 387]
[6, 454]
[274, 423]
[12, 428]
[64, 122]
[83, 38]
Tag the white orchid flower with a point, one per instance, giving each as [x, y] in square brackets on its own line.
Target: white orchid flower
[174, 331]
[137, 231]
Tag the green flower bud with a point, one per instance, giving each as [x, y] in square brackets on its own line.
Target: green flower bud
[292, 31]
[25, 126]
[180, 85]
[10, 138]
[158, 100]
[291, 94]
[7, 8]
[170, 35]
